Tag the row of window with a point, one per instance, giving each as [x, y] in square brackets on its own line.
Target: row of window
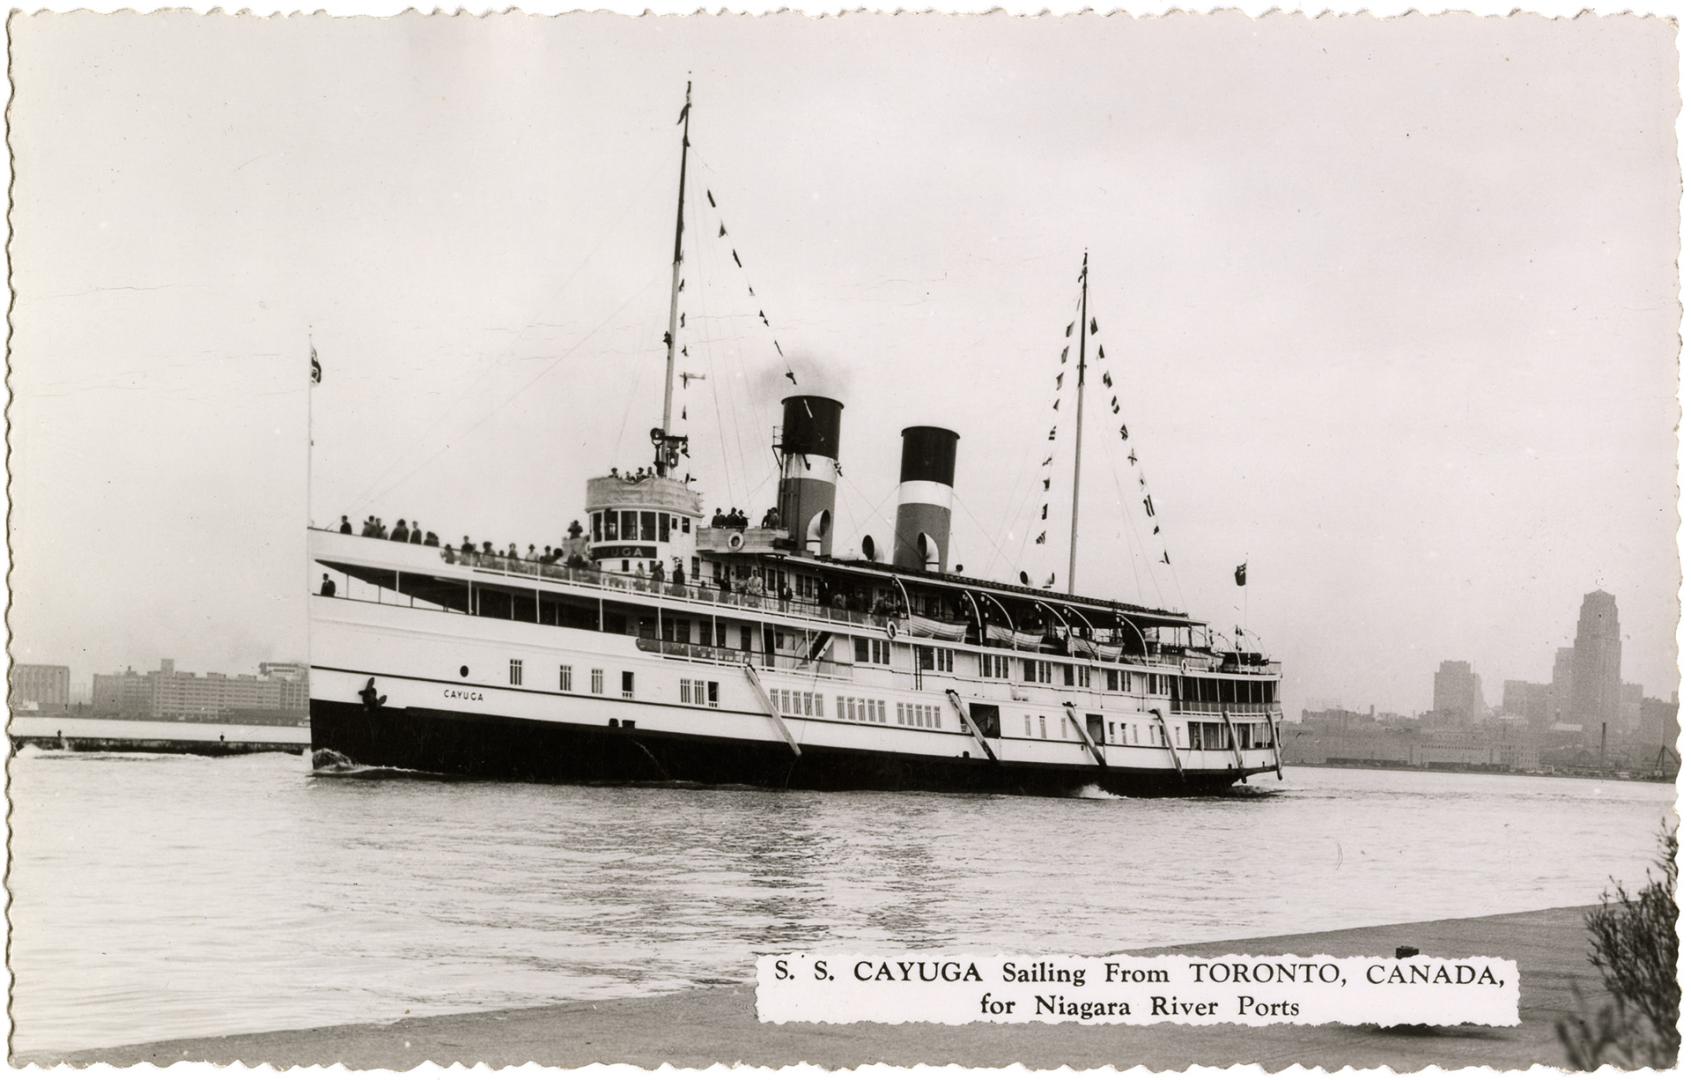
[868, 710]
[798, 702]
[566, 679]
[1117, 733]
[934, 658]
[874, 711]
[699, 692]
[924, 716]
[629, 525]
[873, 651]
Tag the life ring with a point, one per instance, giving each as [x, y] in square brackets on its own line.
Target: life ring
[736, 541]
[892, 630]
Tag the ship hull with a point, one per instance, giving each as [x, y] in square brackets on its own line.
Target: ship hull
[480, 745]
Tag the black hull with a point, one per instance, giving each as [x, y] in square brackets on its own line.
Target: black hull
[509, 748]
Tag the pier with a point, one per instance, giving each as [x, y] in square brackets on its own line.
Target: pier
[210, 739]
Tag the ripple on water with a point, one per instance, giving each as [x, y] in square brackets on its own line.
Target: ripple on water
[164, 896]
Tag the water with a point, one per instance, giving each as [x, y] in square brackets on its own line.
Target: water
[159, 896]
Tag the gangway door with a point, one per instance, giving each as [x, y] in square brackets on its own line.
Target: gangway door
[1079, 727]
[969, 723]
[1168, 741]
[1233, 741]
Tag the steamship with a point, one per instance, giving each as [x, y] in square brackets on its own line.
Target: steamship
[773, 662]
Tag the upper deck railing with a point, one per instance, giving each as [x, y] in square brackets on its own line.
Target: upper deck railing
[751, 597]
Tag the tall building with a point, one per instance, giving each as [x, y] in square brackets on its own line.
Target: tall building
[1562, 687]
[1528, 700]
[280, 688]
[1596, 691]
[1456, 693]
[46, 686]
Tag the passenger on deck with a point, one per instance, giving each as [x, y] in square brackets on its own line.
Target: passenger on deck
[346, 526]
[328, 586]
[400, 533]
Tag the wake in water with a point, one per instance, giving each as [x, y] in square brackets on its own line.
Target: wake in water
[1238, 791]
[333, 763]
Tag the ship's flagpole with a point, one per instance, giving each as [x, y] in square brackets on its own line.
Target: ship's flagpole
[1079, 420]
[675, 289]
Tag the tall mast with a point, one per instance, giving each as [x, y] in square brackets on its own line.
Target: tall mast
[675, 286]
[1079, 420]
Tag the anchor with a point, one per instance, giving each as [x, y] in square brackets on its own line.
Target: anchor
[369, 696]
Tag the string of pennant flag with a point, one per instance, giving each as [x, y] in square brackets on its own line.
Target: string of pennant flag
[1132, 455]
[721, 234]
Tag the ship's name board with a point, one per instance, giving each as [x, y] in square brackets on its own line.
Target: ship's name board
[462, 695]
[626, 551]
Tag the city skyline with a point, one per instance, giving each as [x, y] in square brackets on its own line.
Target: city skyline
[1478, 277]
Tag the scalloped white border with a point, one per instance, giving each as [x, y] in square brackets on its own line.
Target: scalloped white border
[344, 8]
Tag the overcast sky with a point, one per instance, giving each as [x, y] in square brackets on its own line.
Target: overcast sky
[1391, 307]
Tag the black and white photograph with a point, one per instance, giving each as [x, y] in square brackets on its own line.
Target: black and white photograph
[912, 539]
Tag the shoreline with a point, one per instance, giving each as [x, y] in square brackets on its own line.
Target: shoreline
[697, 1028]
[1476, 771]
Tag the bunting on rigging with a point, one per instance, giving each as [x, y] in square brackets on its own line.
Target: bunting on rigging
[734, 252]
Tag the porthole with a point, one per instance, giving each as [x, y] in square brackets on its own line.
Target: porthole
[464, 671]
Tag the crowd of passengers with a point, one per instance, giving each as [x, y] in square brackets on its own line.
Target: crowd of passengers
[736, 518]
[416, 534]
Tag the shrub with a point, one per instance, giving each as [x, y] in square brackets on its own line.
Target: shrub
[1635, 949]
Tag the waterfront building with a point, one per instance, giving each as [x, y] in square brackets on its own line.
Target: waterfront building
[1457, 698]
[1595, 694]
[42, 686]
[1658, 724]
[166, 692]
[1632, 707]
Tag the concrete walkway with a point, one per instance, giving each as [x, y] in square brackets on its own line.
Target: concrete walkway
[702, 1027]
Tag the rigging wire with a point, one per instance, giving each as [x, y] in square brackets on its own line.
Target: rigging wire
[547, 370]
[455, 401]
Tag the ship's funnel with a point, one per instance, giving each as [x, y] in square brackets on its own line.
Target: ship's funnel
[922, 537]
[810, 454]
